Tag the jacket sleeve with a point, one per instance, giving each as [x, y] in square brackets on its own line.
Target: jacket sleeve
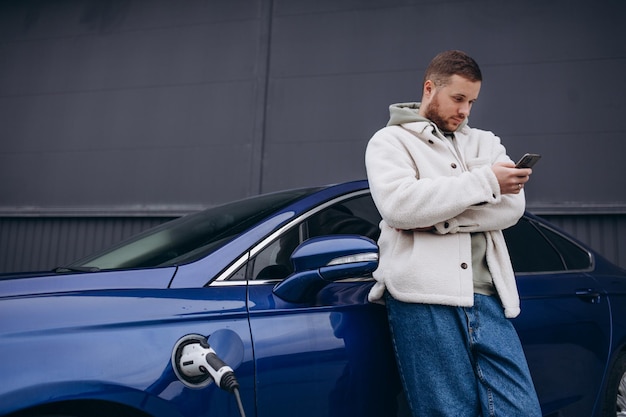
[488, 217]
[407, 200]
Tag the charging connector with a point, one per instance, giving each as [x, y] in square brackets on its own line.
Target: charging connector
[196, 364]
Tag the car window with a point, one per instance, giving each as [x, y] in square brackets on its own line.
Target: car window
[357, 216]
[534, 248]
[352, 216]
[530, 251]
[274, 262]
[574, 257]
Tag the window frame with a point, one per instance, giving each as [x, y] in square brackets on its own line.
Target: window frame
[539, 227]
[298, 221]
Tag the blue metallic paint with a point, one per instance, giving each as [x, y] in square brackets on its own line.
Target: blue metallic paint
[109, 336]
[102, 344]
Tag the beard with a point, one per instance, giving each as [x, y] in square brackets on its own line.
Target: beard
[433, 114]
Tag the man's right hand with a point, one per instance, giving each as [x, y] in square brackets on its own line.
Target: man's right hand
[511, 179]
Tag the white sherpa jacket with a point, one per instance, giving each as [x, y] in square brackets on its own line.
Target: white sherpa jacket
[417, 180]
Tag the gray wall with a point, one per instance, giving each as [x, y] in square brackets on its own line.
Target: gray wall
[139, 109]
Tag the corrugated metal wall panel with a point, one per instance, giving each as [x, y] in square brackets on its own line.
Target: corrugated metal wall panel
[72, 81]
[41, 243]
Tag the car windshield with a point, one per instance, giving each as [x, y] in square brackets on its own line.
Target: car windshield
[190, 237]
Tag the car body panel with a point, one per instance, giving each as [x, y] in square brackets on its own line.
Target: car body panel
[322, 355]
[566, 337]
[61, 282]
[111, 336]
[102, 344]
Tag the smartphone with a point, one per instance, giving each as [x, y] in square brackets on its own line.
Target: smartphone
[528, 160]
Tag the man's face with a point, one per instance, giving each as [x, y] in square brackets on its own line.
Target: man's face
[449, 105]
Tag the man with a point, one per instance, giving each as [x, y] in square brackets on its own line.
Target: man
[445, 192]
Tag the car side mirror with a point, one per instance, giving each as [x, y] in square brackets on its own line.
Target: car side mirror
[325, 259]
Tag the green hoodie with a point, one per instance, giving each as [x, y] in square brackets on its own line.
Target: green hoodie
[401, 113]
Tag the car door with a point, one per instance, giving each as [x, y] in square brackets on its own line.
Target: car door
[330, 355]
[564, 325]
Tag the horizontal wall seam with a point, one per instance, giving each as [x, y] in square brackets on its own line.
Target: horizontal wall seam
[183, 209]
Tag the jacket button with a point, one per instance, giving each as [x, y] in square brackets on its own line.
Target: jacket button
[453, 165]
[464, 265]
[446, 225]
[430, 141]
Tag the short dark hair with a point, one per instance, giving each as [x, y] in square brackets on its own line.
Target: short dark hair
[449, 63]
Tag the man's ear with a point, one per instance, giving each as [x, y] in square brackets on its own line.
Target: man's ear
[429, 88]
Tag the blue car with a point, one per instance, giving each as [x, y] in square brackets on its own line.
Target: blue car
[259, 308]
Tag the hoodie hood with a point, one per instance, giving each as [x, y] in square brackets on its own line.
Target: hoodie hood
[402, 113]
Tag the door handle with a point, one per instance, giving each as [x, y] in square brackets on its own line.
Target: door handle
[589, 295]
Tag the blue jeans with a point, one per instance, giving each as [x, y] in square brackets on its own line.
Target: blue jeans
[461, 361]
